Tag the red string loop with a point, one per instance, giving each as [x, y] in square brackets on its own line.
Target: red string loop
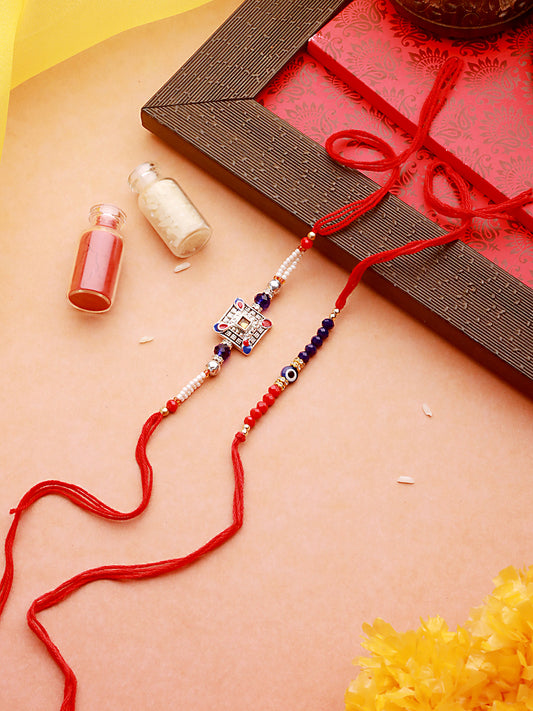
[341, 218]
[337, 220]
[464, 211]
[354, 137]
[345, 215]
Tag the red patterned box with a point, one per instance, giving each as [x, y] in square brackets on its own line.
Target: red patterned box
[317, 103]
[485, 131]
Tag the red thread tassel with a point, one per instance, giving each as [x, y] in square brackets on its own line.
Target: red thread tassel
[87, 501]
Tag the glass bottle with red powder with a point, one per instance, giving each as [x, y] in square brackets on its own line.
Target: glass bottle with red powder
[97, 266]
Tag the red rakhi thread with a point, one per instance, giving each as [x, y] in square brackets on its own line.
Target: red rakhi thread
[463, 211]
[109, 572]
[289, 374]
[81, 498]
[341, 218]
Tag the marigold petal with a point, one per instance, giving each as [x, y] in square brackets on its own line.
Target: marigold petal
[487, 665]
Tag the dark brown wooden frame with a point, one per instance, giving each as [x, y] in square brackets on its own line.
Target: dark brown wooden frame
[208, 111]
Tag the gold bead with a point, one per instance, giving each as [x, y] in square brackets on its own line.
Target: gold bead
[282, 382]
[164, 411]
[298, 364]
[311, 235]
[246, 429]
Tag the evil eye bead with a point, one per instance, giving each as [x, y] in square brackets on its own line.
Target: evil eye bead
[290, 373]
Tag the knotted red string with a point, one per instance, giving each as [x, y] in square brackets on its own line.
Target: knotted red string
[463, 211]
[341, 218]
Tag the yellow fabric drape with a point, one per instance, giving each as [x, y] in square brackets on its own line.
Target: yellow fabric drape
[36, 34]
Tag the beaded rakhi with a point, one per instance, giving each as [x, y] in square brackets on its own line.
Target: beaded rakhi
[241, 327]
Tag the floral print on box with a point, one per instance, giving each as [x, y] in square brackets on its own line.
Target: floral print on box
[318, 103]
[485, 131]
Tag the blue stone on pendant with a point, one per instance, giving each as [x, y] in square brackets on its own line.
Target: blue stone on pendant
[262, 300]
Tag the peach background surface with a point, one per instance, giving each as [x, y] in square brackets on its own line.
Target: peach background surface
[273, 619]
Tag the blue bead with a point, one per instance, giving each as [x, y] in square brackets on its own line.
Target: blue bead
[304, 355]
[290, 373]
[311, 350]
[328, 323]
[322, 333]
[262, 300]
[222, 350]
[316, 341]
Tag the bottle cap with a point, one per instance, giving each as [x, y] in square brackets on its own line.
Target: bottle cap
[108, 215]
[143, 175]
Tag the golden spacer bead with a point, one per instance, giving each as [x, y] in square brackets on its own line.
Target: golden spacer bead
[282, 382]
[298, 364]
[311, 235]
[246, 429]
[164, 411]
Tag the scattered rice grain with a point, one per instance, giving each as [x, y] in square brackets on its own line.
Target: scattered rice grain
[182, 267]
[405, 480]
[146, 339]
[427, 410]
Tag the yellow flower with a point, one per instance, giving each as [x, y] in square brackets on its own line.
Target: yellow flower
[487, 664]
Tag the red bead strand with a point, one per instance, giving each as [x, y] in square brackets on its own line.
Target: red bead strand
[262, 407]
[286, 378]
[274, 390]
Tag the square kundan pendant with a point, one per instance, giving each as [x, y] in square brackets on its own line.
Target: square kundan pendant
[243, 326]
